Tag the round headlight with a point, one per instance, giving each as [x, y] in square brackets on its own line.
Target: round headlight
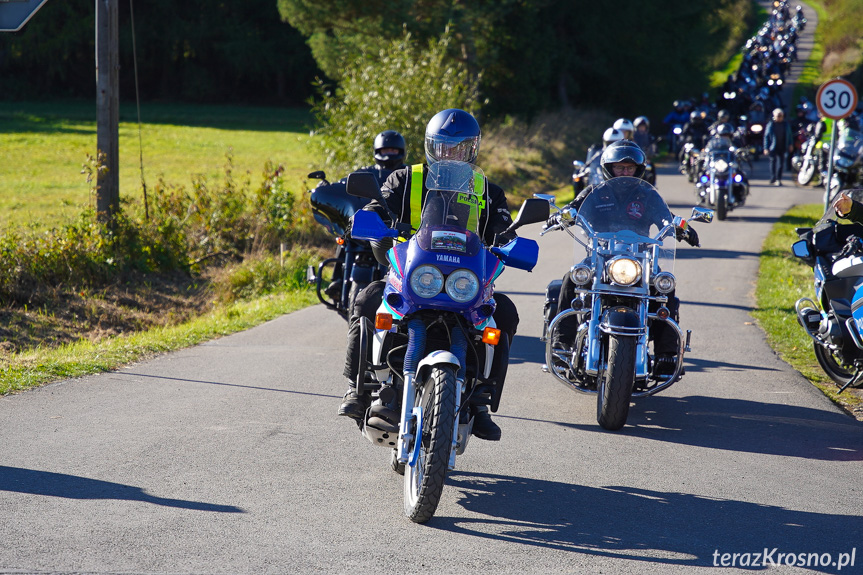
[664, 282]
[756, 128]
[426, 281]
[624, 271]
[581, 274]
[462, 285]
[721, 165]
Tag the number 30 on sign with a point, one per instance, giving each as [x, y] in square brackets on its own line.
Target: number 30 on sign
[836, 99]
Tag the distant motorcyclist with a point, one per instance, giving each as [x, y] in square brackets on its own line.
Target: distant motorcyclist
[625, 126]
[695, 130]
[450, 135]
[677, 117]
[722, 117]
[625, 158]
[389, 154]
[643, 137]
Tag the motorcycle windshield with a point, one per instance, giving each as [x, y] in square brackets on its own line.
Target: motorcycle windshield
[451, 209]
[851, 142]
[631, 211]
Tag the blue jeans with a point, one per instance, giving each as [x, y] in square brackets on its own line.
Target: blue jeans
[777, 160]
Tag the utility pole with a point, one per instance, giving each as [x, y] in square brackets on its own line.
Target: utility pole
[108, 110]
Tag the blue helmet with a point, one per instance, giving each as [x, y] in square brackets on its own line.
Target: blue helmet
[452, 134]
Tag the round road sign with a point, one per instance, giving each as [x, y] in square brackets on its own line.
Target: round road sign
[836, 98]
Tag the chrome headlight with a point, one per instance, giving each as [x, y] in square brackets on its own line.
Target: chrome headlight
[462, 285]
[664, 282]
[720, 165]
[581, 274]
[624, 271]
[756, 128]
[426, 281]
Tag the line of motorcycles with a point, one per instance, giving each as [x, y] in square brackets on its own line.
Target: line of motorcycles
[433, 348]
[814, 155]
[721, 182]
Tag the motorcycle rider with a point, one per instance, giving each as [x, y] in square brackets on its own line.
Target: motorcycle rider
[389, 154]
[677, 116]
[643, 137]
[777, 142]
[625, 158]
[625, 126]
[451, 134]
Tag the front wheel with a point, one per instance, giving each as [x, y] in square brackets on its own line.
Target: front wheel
[615, 388]
[807, 171]
[831, 366]
[424, 475]
[721, 205]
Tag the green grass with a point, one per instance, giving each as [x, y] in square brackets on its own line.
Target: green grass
[41, 366]
[44, 145]
[782, 280]
[718, 78]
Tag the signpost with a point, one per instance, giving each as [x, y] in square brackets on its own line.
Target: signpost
[836, 99]
[15, 13]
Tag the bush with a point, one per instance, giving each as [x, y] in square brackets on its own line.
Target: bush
[399, 88]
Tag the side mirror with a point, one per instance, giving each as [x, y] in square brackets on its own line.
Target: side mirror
[319, 175]
[800, 249]
[702, 215]
[546, 198]
[532, 211]
[578, 164]
[363, 185]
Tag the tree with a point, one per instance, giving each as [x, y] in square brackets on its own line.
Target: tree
[400, 87]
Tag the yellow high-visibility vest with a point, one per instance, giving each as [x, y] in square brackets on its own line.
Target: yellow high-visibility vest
[476, 201]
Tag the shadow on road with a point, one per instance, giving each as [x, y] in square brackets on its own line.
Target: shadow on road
[166, 378]
[50, 484]
[739, 425]
[638, 524]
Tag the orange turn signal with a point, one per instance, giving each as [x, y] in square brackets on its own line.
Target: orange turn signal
[383, 321]
[491, 336]
[340, 241]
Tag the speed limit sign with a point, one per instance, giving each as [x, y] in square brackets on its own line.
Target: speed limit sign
[836, 99]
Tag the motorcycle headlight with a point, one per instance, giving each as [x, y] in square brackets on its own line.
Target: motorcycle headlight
[462, 285]
[624, 271]
[678, 131]
[664, 282]
[426, 281]
[720, 165]
[581, 274]
[756, 128]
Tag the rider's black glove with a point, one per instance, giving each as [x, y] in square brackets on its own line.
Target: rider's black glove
[688, 235]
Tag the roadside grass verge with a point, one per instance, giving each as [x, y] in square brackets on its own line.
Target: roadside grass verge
[40, 366]
[782, 280]
[45, 144]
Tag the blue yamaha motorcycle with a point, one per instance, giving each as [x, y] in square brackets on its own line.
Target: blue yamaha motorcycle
[430, 352]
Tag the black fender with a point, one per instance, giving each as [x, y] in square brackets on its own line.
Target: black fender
[621, 320]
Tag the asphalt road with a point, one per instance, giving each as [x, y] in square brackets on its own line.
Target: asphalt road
[228, 457]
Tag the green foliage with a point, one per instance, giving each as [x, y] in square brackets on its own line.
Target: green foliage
[265, 274]
[187, 230]
[196, 50]
[400, 88]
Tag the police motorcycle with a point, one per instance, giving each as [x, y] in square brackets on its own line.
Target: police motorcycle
[847, 159]
[834, 319]
[721, 184]
[430, 351]
[622, 286]
[339, 279]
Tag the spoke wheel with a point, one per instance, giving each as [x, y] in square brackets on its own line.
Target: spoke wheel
[424, 478]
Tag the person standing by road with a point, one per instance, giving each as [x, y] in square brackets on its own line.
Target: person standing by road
[777, 142]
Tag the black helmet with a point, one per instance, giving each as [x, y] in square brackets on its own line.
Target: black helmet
[622, 151]
[452, 134]
[389, 139]
[725, 130]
